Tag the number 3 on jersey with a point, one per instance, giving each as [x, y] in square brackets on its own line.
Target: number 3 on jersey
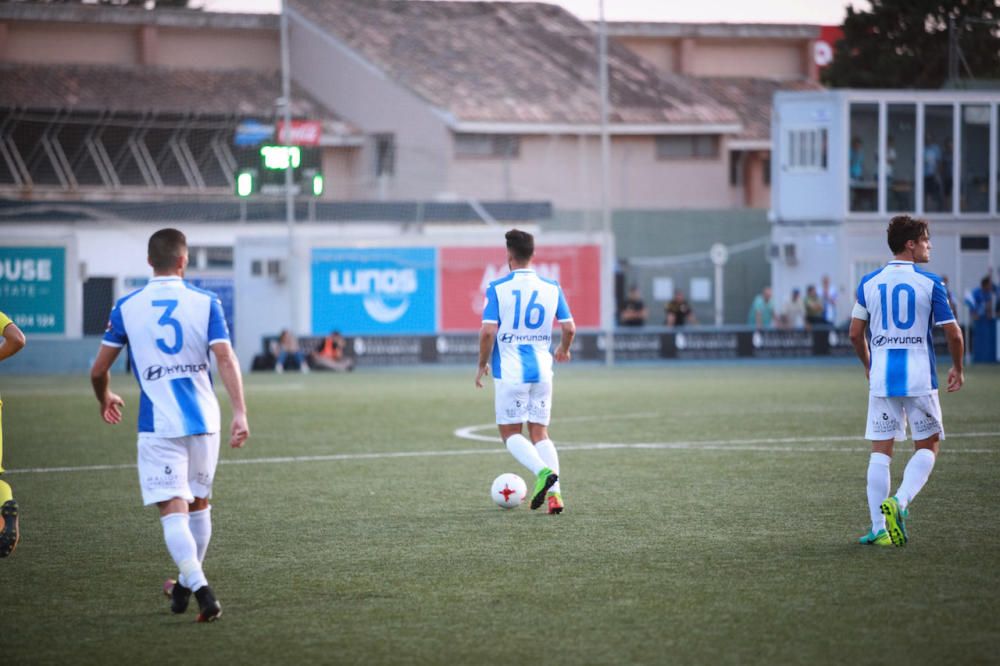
[911, 305]
[166, 320]
[534, 313]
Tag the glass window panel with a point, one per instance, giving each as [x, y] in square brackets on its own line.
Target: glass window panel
[939, 150]
[901, 157]
[862, 163]
[974, 186]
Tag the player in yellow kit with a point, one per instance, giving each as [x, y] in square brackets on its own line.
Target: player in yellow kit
[13, 342]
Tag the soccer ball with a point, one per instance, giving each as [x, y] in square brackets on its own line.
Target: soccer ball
[508, 490]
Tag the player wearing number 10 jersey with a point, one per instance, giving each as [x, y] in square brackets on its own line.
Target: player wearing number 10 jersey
[515, 341]
[900, 303]
[169, 327]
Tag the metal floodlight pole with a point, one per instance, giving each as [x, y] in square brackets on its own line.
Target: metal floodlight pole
[602, 64]
[286, 104]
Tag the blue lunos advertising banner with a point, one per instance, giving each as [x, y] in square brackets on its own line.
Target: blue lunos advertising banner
[373, 290]
[33, 287]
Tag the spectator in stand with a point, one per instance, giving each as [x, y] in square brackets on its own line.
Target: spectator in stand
[828, 294]
[982, 301]
[329, 355]
[814, 308]
[762, 310]
[634, 312]
[678, 310]
[793, 314]
[288, 345]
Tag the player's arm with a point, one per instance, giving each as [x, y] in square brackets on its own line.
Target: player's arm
[857, 335]
[566, 341]
[956, 347]
[232, 379]
[13, 341]
[100, 379]
[487, 336]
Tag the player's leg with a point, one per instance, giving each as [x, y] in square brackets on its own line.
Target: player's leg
[203, 458]
[925, 423]
[539, 417]
[163, 477]
[884, 421]
[511, 403]
[10, 532]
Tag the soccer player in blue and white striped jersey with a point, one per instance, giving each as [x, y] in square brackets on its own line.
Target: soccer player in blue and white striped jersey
[515, 341]
[170, 327]
[900, 304]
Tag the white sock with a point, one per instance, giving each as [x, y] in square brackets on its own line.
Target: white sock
[181, 546]
[547, 452]
[201, 530]
[525, 453]
[878, 488]
[915, 475]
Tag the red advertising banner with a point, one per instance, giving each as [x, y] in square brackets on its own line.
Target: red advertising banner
[465, 273]
[304, 133]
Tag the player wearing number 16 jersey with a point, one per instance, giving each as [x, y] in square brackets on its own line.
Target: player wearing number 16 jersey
[170, 327]
[515, 341]
[899, 304]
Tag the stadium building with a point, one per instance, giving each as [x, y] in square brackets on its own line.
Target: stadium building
[406, 117]
[848, 160]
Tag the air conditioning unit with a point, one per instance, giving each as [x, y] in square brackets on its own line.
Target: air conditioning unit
[276, 270]
[789, 254]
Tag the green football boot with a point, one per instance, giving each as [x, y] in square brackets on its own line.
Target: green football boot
[895, 521]
[880, 538]
[546, 479]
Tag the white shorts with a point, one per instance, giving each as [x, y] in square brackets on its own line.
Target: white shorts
[181, 467]
[887, 417]
[517, 403]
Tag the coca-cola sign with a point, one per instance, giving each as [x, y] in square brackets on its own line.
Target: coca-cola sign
[304, 133]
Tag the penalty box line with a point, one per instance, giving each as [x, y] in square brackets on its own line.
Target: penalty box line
[755, 445]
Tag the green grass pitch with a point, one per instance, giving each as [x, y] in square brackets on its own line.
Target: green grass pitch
[726, 536]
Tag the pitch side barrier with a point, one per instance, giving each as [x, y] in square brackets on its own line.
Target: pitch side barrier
[646, 344]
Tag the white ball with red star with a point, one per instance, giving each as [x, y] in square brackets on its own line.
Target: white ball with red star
[508, 490]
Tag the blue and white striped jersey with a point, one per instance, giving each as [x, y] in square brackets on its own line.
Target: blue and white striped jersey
[523, 306]
[169, 326]
[902, 303]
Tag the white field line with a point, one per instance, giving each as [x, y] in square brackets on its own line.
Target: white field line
[757, 445]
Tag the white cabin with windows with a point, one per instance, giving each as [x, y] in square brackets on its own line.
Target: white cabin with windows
[846, 161]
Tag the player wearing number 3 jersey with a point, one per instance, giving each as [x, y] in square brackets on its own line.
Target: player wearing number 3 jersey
[515, 341]
[899, 304]
[169, 327]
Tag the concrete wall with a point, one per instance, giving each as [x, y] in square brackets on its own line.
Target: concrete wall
[566, 170]
[781, 60]
[362, 94]
[88, 44]
[49, 43]
[787, 59]
[218, 49]
[662, 53]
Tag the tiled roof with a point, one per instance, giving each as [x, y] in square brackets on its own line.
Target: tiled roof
[508, 62]
[752, 98]
[149, 89]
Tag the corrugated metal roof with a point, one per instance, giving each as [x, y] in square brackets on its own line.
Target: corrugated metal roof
[143, 89]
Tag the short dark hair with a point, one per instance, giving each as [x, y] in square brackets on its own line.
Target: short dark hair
[521, 245]
[166, 246]
[903, 228]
